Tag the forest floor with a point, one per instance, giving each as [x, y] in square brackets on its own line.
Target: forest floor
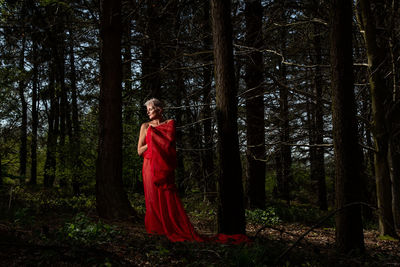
[48, 231]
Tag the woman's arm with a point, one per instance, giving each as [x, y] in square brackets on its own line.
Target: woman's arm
[142, 147]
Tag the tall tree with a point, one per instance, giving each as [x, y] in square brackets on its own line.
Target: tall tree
[255, 106]
[33, 179]
[349, 229]
[51, 160]
[379, 66]
[111, 200]
[317, 132]
[151, 62]
[208, 154]
[231, 217]
[24, 106]
[76, 129]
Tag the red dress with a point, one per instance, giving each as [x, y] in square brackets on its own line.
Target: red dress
[165, 214]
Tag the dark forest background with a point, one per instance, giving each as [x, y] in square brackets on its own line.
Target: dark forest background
[285, 110]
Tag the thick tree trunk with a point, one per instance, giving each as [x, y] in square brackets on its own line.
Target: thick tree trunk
[380, 93]
[255, 107]
[111, 200]
[394, 121]
[349, 229]
[231, 219]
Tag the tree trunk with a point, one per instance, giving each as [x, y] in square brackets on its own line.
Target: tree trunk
[349, 229]
[255, 107]
[394, 121]
[35, 83]
[111, 200]
[151, 63]
[380, 94]
[231, 219]
[24, 115]
[50, 163]
[284, 148]
[76, 129]
[59, 37]
[318, 164]
[208, 154]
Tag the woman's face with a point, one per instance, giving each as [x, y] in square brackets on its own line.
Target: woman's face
[153, 112]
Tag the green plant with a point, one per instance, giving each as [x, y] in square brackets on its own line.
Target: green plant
[264, 217]
[85, 231]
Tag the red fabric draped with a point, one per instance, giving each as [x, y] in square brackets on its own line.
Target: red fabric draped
[165, 214]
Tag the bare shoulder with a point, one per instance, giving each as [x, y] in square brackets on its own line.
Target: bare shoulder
[144, 126]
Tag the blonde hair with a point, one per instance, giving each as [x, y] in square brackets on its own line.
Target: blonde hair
[155, 102]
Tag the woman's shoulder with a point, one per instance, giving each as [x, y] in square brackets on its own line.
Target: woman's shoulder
[145, 125]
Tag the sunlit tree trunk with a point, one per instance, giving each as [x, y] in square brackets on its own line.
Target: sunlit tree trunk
[255, 107]
[394, 121]
[111, 199]
[380, 94]
[231, 217]
[349, 229]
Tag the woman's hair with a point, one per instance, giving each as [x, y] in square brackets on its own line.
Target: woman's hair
[155, 102]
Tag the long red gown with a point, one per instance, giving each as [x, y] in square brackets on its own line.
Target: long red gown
[165, 214]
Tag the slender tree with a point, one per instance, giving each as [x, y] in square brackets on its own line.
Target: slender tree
[349, 229]
[208, 154]
[33, 179]
[231, 218]
[111, 200]
[317, 163]
[51, 160]
[255, 106]
[24, 123]
[76, 129]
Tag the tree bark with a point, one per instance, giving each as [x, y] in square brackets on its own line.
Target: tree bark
[231, 219]
[111, 200]
[33, 179]
[380, 94]
[255, 107]
[284, 163]
[24, 115]
[50, 163]
[318, 162]
[208, 154]
[76, 129]
[349, 229]
[151, 63]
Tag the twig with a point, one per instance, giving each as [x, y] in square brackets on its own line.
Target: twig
[319, 223]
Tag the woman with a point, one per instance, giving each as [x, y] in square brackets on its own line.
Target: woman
[164, 210]
[165, 214]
